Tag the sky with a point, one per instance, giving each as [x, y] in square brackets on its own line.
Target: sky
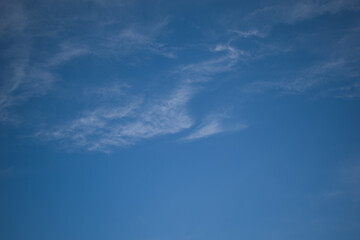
[179, 120]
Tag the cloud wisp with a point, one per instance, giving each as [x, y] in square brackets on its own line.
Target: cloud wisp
[225, 60]
[24, 75]
[66, 53]
[143, 117]
[118, 126]
[310, 78]
[292, 13]
[214, 124]
[121, 118]
[29, 73]
[137, 38]
[24, 80]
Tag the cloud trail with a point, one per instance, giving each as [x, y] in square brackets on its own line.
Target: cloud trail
[105, 128]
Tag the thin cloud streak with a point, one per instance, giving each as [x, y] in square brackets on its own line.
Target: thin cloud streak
[209, 129]
[137, 38]
[66, 54]
[206, 70]
[266, 18]
[28, 75]
[106, 128]
[300, 11]
[111, 126]
[26, 80]
[315, 76]
[212, 125]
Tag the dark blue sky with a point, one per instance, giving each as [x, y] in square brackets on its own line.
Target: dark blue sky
[167, 120]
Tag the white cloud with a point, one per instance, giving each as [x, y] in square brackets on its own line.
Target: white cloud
[25, 79]
[291, 12]
[233, 53]
[206, 70]
[136, 37]
[262, 20]
[247, 34]
[66, 53]
[25, 82]
[214, 124]
[310, 9]
[113, 92]
[113, 122]
[24, 75]
[209, 129]
[111, 125]
[117, 126]
[302, 81]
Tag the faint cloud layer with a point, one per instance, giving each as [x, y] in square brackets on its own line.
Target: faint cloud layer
[214, 124]
[24, 80]
[309, 78]
[138, 38]
[105, 128]
[336, 72]
[110, 126]
[27, 74]
[66, 53]
[293, 12]
[122, 117]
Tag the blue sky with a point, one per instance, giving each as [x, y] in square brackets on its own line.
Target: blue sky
[173, 120]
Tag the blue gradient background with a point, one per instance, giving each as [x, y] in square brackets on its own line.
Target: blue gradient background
[290, 170]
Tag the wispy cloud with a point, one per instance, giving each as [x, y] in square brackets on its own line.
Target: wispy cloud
[263, 20]
[30, 73]
[107, 127]
[214, 124]
[207, 69]
[115, 124]
[247, 34]
[25, 73]
[335, 73]
[66, 53]
[233, 53]
[207, 130]
[135, 38]
[309, 78]
[23, 83]
[294, 12]
[349, 91]
[24, 80]
[112, 92]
